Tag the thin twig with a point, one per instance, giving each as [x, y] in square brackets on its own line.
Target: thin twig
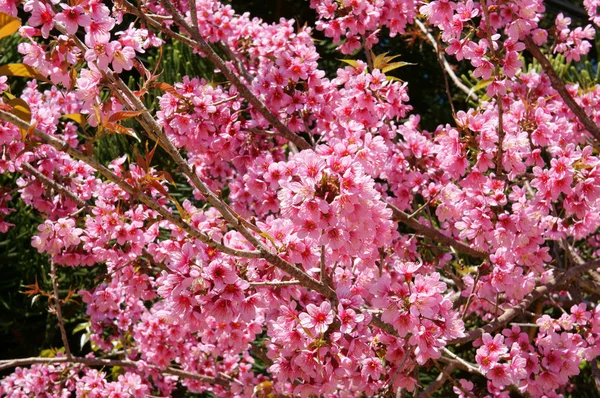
[472, 293]
[499, 155]
[438, 382]
[53, 184]
[58, 310]
[471, 367]
[452, 380]
[274, 283]
[369, 56]
[400, 366]
[238, 62]
[446, 65]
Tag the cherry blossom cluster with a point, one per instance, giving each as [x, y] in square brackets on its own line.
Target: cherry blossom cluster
[540, 366]
[64, 381]
[358, 23]
[344, 252]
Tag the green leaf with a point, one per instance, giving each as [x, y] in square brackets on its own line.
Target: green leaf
[81, 326]
[395, 65]
[351, 62]
[479, 86]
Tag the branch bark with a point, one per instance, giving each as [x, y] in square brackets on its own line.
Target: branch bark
[109, 175]
[518, 309]
[435, 235]
[57, 308]
[560, 87]
[199, 43]
[11, 363]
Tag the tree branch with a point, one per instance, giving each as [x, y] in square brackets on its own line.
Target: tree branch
[560, 87]
[434, 234]
[57, 308]
[445, 63]
[11, 363]
[518, 309]
[199, 43]
[145, 199]
[438, 382]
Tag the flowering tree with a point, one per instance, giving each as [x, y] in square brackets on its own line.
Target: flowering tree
[327, 237]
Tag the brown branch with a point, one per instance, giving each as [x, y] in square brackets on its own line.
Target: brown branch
[199, 43]
[386, 327]
[500, 136]
[518, 309]
[438, 382]
[262, 252]
[58, 310]
[470, 367]
[109, 175]
[156, 132]
[435, 234]
[83, 204]
[445, 64]
[193, 14]
[560, 87]
[11, 363]
[238, 63]
[53, 184]
[274, 283]
[449, 377]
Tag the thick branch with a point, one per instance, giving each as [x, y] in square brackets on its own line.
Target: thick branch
[109, 175]
[11, 363]
[434, 234]
[200, 44]
[560, 87]
[518, 309]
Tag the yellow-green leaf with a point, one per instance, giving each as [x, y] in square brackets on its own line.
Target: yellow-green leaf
[20, 70]
[382, 60]
[395, 65]
[184, 214]
[8, 24]
[351, 62]
[20, 109]
[479, 86]
[77, 118]
[269, 237]
[393, 79]
[81, 326]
